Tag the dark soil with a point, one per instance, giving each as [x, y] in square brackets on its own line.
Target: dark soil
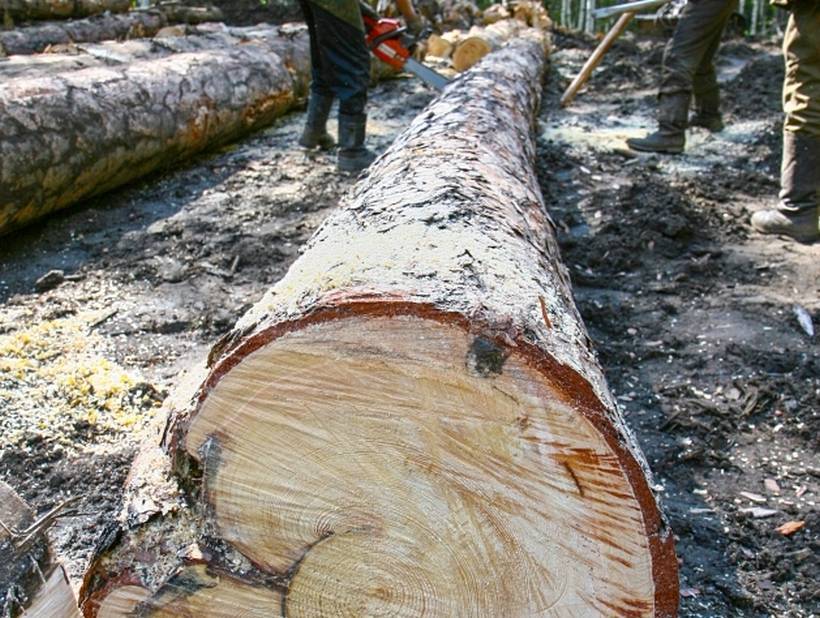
[693, 318]
[692, 314]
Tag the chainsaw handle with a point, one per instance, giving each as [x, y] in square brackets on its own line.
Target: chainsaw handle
[394, 34]
[367, 11]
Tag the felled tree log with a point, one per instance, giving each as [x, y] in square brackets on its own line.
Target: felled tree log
[289, 41]
[412, 422]
[31, 584]
[37, 38]
[60, 9]
[123, 122]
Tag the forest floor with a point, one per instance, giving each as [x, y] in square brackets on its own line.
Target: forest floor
[694, 316]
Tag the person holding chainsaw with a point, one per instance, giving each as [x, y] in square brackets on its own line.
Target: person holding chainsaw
[798, 211]
[341, 70]
[688, 69]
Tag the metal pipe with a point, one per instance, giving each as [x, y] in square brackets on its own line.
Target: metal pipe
[629, 7]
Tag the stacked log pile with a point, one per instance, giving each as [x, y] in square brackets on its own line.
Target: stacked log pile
[496, 25]
[412, 422]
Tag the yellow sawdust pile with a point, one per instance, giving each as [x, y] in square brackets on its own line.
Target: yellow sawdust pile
[54, 381]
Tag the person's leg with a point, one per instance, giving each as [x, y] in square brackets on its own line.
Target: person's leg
[320, 99]
[797, 213]
[705, 87]
[345, 51]
[700, 25]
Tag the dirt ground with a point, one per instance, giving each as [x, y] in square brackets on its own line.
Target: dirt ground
[695, 317]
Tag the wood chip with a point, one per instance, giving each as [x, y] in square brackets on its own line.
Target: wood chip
[771, 486]
[758, 512]
[790, 527]
[753, 497]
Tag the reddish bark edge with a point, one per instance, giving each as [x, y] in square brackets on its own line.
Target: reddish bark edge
[570, 386]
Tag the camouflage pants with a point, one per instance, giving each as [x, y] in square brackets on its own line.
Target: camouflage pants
[801, 88]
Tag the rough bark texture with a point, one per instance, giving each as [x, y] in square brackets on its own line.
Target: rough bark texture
[289, 41]
[109, 27]
[37, 38]
[60, 9]
[69, 136]
[446, 247]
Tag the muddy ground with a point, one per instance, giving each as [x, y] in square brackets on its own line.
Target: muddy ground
[693, 315]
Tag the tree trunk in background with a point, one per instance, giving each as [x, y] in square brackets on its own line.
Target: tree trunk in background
[123, 122]
[412, 421]
[60, 9]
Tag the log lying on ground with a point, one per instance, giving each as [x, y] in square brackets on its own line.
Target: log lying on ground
[411, 422]
[31, 584]
[37, 38]
[123, 122]
[60, 9]
[109, 27]
[289, 41]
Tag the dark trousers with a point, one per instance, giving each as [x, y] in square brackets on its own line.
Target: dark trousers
[688, 60]
[340, 59]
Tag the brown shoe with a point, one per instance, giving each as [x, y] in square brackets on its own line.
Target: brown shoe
[801, 226]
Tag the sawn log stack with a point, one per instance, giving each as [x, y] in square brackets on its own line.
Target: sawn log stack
[412, 422]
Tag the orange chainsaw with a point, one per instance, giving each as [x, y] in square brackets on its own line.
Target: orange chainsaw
[391, 43]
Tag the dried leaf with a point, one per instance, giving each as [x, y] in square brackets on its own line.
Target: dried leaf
[790, 527]
[800, 491]
[753, 497]
[772, 486]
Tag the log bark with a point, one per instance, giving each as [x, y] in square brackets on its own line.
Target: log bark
[412, 422]
[60, 9]
[289, 41]
[122, 122]
[37, 38]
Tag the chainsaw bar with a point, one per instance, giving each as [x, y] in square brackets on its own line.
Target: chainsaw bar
[426, 74]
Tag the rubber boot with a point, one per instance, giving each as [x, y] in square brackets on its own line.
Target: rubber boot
[670, 138]
[707, 111]
[352, 155]
[315, 131]
[797, 213]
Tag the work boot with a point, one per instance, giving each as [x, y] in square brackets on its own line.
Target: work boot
[797, 213]
[707, 111]
[670, 138]
[315, 131]
[352, 155]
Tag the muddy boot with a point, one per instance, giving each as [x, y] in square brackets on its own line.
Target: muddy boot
[670, 138]
[352, 155]
[797, 214]
[707, 112]
[315, 132]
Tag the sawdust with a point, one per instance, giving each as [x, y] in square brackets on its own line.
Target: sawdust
[56, 370]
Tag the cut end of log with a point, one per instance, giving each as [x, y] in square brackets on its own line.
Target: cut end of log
[468, 52]
[376, 481]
